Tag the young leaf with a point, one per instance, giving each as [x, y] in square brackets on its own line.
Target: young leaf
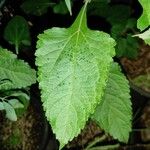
[36, 7]
[1, 106]
[113, 114]
[10, 112]
[144, 20]
[16, 73]
[68, 4]
[15, 103]
[19, 100]
[127, 47]
[73, 66]
[23, 97]
[17, 32]
[145, 36]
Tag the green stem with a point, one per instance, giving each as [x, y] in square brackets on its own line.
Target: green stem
[95, 141]
[107, 147]
[17, 48]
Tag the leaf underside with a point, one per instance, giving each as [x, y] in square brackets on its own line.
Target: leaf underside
[15, 73]
[114, 113]
[73, 66]
[145, 36]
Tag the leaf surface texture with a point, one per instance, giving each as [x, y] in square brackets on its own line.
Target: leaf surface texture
[73, 66]
[114, 113]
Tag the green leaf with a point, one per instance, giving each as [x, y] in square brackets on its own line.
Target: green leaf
[100, 8]
[22, 96]
[145, 36]
[73, 66]
[144, 20]
[15, 103]
[142, 81]
[17, 32]
[10, 112]
[114, 17]
[16, 73]
[21, 100]
[60, 8]
[36, 7]
[68, 4]
[1, 106]
[127, 47]
[114, 113]
[4, 53]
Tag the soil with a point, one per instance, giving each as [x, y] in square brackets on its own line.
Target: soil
[25, 134]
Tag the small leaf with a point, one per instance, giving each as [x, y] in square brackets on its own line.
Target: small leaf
[1, 106]
[16, 73]
[68, 4]
[73, 66]
[17, 31]
[142, 81]
[144, 20]
[36, 7]
[22, 97]
[60, 8]
[114, 17]
[15, 103]
[114, 113]
[10, 112]
[127, 47]
[145, 36]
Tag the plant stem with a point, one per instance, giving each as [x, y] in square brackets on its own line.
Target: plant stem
[107, 147]
[17, 48]
[96, 140]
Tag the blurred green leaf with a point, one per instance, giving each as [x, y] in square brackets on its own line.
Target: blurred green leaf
[68, 4]
[1, 106]
[36, 7]
[142, 81]
[15, 103]
[17, 32]
[118, 14]
[10, 112]
[127, 47]
[60, 8]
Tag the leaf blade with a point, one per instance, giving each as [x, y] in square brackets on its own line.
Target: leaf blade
[16, 73]
[18, 27]
[144, 20]
[114, 113]
[10, 112]
[69, 65]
